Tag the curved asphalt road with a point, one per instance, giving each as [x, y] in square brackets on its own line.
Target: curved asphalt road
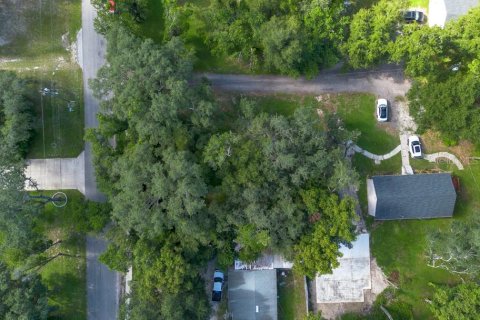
[103, 285]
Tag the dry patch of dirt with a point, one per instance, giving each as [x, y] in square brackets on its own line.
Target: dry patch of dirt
[335, 310]
[433, 143]
[327, 102]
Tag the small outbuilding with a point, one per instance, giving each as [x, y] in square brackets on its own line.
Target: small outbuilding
[347, 282]
[252, 294]
[442, 11]
[419, 196]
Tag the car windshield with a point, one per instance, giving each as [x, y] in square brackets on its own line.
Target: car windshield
[415, 143]
[217, 279]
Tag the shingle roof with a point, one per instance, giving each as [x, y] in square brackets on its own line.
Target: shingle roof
[249, 290]
[416, 196]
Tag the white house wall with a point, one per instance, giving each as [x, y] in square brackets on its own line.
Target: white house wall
[437, 13]
[372, 197]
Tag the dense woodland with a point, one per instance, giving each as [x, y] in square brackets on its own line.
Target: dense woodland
[189, 180]
[21, 293]
[302, 37]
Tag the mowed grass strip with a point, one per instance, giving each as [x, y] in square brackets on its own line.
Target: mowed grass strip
[358, 112]
[65, 276]
[59, 119]
[291, 296]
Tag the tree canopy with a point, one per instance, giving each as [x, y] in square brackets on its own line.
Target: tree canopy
[15, 116]
[290, 38]
[460, 302]
[456, 250]
[22, 296]
[317, 252]
[371, 32]
[185, 183]
[444, 64]
[16, 226]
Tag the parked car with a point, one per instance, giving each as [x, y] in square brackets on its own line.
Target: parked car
[218, 279]
[382, 110]
[414, 147]
[414, 16]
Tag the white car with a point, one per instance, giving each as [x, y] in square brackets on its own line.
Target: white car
[382, 110]
[414, 147]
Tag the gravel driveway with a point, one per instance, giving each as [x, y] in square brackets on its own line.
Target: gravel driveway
[386, 81]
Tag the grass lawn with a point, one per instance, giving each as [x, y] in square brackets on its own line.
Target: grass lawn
[291, 296]
[399, 249]
[411, 3]
[43, 23]
[65, 277]
[282, 104]
[358, 112]
[154, 25]
[59, 121]
[419, 3]
[38, 54]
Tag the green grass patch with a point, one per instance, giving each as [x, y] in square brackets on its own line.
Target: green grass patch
[399, 247]
[38, 53]
[282, 104]
[419, 3]
[154, 25]
[59, 119]
[65, 277]
[43, 24]
[291, 296]
[358, 113]
[424, 166]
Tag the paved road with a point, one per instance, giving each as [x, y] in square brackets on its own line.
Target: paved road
[386, 82]
[92, 58]
[103, 285]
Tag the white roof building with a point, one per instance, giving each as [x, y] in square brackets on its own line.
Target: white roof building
[442, 11]
[265, 262]
[347, 282]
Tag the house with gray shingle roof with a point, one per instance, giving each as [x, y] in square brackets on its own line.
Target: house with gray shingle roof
[442, 11]
[419, 196]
